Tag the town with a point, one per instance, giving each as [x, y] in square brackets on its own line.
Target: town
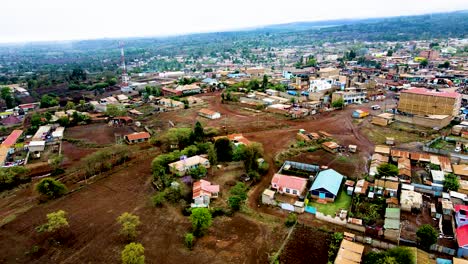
[338, 152]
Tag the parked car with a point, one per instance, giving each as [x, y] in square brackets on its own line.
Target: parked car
[375, 107]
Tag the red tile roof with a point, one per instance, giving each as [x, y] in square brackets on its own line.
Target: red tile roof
[138, 135]
[462, 236]
[290, 182]
[12, 138]
[423, 91]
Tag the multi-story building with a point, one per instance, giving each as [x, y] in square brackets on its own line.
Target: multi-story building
[350, 95]
[421, 101]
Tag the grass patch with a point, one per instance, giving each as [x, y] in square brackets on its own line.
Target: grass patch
[343, 201]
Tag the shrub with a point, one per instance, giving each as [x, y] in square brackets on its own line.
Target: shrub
[158, 199]
[55, 221]
[51, 188]
[129, 224]
[189, 240]
[427, 236]
[133, 253]
[291, 220]
[234, 202]
[201, 220]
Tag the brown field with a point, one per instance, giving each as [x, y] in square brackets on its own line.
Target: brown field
[306, 245]
[248, 237]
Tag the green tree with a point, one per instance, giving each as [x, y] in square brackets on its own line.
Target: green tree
[424, 63]
[158, 199]
[252, 153]
[388, 170]
[339, 103]
[265, 82]
[129, 224]
[133, 253]
[8, 97]
[189, 240]
[55, 221]
[451, 182]
[70, 105]
[240, 190]
[201, 220]
[235, 202]
[64, 121]
[389, 53]
[445, 65]
[10, 177]
[51, 188]
[198, 172]
[291, 220]
[223, 149]
[427, 236]
[212, 157]
[198, 132]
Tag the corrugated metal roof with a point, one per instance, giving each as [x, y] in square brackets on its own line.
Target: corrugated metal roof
[329, 180]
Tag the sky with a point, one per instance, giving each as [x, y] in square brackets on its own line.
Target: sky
[46, 20]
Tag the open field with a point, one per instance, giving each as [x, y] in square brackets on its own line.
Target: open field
[98, 133]
[343, 201]
[306, 245]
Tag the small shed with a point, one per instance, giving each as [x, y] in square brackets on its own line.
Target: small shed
[268, 197]
[330, 146]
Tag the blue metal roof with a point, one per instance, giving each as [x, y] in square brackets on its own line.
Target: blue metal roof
[329, 180]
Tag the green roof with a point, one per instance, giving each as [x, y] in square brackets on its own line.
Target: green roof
[392, 223]
[393, 213]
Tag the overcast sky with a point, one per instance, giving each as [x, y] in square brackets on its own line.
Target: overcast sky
[32, 20]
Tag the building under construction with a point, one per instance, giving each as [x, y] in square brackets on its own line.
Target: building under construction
[421, 101]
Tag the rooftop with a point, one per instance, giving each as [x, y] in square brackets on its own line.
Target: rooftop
[424, 91]
[329, 180]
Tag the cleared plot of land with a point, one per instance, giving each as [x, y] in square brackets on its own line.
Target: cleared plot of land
[343, 201]
[306, 245]
[99, 133]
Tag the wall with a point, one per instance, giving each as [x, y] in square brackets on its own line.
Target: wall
[335, 220]
[423, 121]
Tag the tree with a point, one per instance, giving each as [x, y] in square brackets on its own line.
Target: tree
[212, 157]
[427, 236]
[64, 121]
[265, 82]
[189, 240]
[115, 110]
[235, 202]
[291, 220]
[223, 149]
[424, 63]
[158, 199]
[48, 101]
[51, 188]
[133, 253]
[11, 176]
[201, 220]
[252, 153]
[387, 169]
[445, 65]
[8, 97]
[55, 221]
[198, 132]
[451, 182]
[198, 172]
[70, 105]
[240, 190]
[339, 103]
[389, 53]
[129, 224]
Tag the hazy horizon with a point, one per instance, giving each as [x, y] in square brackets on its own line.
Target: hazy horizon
[53, 20]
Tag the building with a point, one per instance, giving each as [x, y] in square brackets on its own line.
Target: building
[349, 253]
[421, 101]
[383, 119]
[462, 240]
[410, 200]
[461, 170]
[188, 89]
[137, 137]
[186, 164]
[386, 188]
[429, 54]
[42, 133]
[10, 141]
[171, 104]
[350, 96]
[461, 215]
[392, 224]
[326, 185]
[330, 146]
[236, 139]
[209, 113]
[268, 197]
[288, 184]
[438, 177]
[203, 191]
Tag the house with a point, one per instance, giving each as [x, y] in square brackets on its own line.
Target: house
[236, 139]
[137, 137]
[361, 187]
[383, 119]
[438, 177]
[386, 188]
[188, 89]
[410, 200]
[185, 164]
[170, 92]
[268, 197]
[36, 146]
[377, 160]
[42, 133]
[209, 113]
[461, 215]
[330, 146]
[326, 185]
[11, 120]
[10, 141]
[349, 253]
[392, 224]
[122, 120]
[404, 169]
[462, 240]
[382, 149]
[461, 170]
[203, 191]
[288, 184]
[172, 104]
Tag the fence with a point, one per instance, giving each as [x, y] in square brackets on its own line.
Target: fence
[442, 249]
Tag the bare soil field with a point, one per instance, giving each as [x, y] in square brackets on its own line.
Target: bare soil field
[99, 133]
[73, 154]
[93, 237]
[306, 245]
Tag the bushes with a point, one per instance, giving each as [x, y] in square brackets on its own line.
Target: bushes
[201, 220]
[291, 220]
[189, 240]
[51, 188]
[335, 241]
[55, 221]
[133, 253]
[427, 236]
[11, 177]
[234, 202]
[105, 159]
[238, 196]
[158, 199]
[129, 223]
